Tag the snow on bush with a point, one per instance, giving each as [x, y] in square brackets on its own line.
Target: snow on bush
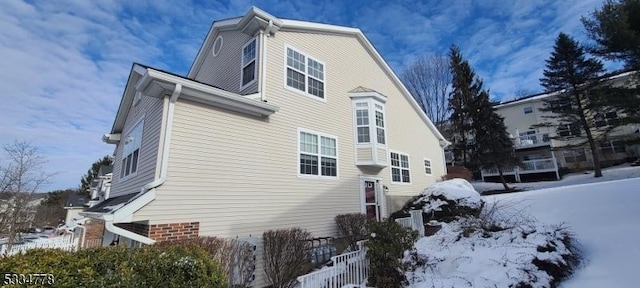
[493, 251]
[445, 201]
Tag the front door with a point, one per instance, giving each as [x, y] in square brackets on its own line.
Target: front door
[371, 199]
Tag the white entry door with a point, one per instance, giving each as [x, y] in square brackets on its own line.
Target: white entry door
[371, 197]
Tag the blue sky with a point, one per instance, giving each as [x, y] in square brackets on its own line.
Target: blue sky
[64, 63]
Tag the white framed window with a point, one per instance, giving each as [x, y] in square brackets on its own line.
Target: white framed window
[427, 166]
[366, 113]
[131, 150]
[380, 132]
[400, 168]
[304, 74]
[362, 122]
[217, 46]
[528, 110]
[317, 154]
[249, 52]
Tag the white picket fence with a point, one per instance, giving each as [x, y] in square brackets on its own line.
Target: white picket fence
[414, 222]
[348, 270]
[66, 242]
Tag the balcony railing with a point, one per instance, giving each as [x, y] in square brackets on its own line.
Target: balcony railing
[527, 167]
[533, 140]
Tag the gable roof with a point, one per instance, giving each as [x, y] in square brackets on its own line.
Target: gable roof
[256, 18]
[539, 96]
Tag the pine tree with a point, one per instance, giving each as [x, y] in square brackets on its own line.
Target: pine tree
[465, 86]
[572, 75]
[85, 181]
[493, 146]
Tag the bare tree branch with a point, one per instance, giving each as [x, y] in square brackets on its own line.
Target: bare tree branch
[429, 81]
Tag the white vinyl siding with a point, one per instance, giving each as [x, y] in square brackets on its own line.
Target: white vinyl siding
[304, 74]
[249, 66]
[318, 154]
[150, 109]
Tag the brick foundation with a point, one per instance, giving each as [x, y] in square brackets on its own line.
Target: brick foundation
[93, 234]
[164, 232]
[174, 231]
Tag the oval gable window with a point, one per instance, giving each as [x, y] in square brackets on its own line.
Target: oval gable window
[217, 46]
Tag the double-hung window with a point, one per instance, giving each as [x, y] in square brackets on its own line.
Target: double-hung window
[318, 154]
[427, 166]
[249, 53]
[400, 168]
[380, 124]
[362, 122]
[131, 150]
[305, 73]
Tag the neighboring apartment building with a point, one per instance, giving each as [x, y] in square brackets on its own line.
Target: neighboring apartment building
[543, 157]
[279, 123]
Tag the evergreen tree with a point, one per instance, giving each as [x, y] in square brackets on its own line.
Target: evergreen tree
[92, 173]
[493, 146]
[615, 29]
[465, 86]
[572, 75]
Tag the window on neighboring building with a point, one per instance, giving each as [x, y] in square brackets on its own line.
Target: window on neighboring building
[575, 155]
[131, 150]
[362, 122]
[249, 52]
[528, 110]
[427, 166]
[400, 168]
[566, 130]
[609, 118]
[612, 147]
[305, 73]
[318, 154]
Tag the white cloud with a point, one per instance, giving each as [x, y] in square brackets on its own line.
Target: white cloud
[65, 62]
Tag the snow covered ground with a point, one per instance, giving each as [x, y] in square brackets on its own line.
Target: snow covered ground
[612, 173]
[604, 214]
[605, 217]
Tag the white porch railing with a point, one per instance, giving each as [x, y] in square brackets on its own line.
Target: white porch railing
[66, 242]
[414, 222]
[528, 167]
[533, 140]
[348, 269]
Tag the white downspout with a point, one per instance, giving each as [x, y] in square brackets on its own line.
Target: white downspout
[108, 223]
[263, 61]
[167, 141]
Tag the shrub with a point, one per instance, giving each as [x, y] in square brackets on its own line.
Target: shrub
[285, 256]
[385, 250]
[352, 228]
[236, 257]
[150, 266]
[444, 201]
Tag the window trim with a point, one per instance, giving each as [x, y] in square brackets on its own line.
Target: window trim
[424, 161]
[243, 65]
[368, 126]
[373, 124]
[400, 154]
[220, 40]
[306, 74]
[320, 155]
[123, 175]
[384, 122]
[530, 110]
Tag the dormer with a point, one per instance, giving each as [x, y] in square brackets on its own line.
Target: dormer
[370, 134]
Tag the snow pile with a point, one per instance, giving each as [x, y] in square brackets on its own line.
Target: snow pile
[461, 255]
[458, 190]
[444, 201]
